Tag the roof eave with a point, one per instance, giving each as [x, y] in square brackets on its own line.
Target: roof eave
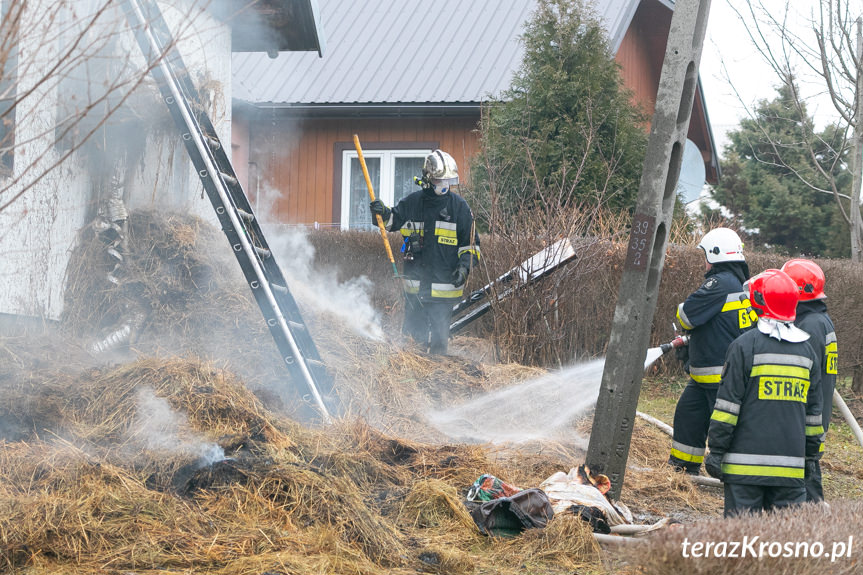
[713, 155]
[274, 26]
[373, 109]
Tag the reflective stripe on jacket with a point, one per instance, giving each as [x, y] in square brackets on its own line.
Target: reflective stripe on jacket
[444, 223]
[813, 319]
[767, 417]
[715, 314]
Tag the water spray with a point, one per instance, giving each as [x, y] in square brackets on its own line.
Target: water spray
[655, 353]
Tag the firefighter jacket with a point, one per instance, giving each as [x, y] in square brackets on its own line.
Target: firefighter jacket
[715, 314]
[813, 319]
[767, 417]
[444, 224]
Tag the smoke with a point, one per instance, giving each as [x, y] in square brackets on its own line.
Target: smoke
[321, 290]
[158, 427]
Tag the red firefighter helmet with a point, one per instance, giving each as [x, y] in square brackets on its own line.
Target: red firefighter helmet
[808, 276]
[773, 294]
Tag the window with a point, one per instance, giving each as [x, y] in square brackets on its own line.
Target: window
[392, 174]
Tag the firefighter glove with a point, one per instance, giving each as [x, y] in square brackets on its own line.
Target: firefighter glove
[459, 276]
[379, 209]
[682, 353]
[713, 464]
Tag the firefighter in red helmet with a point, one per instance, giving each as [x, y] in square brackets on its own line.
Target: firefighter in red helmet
[813, 319]
[766, 421]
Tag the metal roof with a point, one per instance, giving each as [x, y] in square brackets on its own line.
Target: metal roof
[406, 52]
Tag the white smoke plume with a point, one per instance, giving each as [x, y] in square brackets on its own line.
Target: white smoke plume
[321, 290]
[158, 427]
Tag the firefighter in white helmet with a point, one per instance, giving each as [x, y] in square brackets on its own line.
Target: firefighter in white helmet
[714, 315]
[440, 248]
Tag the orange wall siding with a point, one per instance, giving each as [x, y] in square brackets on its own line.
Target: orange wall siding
[637, 68]
[240, 150]
[297, 157]
[641, 55]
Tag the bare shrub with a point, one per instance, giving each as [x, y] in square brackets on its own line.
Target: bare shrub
[567, 316]
[788, 532]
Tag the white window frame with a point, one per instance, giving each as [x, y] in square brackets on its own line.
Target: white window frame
[386, 192]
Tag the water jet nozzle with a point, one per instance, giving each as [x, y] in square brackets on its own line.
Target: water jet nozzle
[678, 341]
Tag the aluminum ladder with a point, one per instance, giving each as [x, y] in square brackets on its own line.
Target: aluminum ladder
[232, 207]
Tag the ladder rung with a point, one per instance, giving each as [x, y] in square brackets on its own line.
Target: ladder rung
[229, 179]
[247, 217]
[115, 254]
[314, 362]
[296, 325]
[213, 143]
[263, 253]
[279, 288]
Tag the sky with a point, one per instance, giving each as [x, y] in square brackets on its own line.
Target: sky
[728, 41]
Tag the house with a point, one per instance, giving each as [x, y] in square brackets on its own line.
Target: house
[406, 76]
[85, 133]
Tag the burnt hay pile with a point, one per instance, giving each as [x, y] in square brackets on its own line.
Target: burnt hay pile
[166, 455]
[176, 282]
[87, 490]
[183, 294]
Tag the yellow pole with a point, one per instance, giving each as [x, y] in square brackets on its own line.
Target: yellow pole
[372, 196]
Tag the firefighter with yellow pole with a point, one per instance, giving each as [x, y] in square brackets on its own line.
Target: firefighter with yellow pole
[440, 248]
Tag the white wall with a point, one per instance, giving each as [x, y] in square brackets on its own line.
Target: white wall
[165, 177]
[38, 230]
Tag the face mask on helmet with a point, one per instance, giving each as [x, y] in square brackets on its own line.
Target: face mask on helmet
[722, 245]
[442, 186]
[808, 276]
[773, 294]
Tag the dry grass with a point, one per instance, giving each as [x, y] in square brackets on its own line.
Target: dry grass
[435, 503]
[80, 490]
[86, 488]
[809, 524]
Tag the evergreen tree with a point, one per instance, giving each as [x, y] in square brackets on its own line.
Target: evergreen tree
[567, 132]
[764, 180]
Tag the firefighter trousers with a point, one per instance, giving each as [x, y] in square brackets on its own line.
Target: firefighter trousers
[743, 497]
[691, 423]
[814, 488]
[428, 323]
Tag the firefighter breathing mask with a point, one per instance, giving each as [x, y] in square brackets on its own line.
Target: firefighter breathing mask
[440, 172]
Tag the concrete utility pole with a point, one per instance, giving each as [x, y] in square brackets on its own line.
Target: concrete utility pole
[857, 154]
[636, 301]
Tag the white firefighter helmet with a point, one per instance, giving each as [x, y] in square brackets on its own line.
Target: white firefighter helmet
[722, 245]
[440, 169]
